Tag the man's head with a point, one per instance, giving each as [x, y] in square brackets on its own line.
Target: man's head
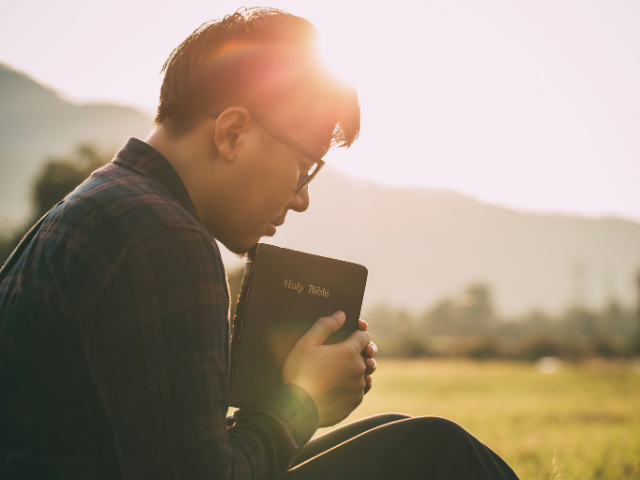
[231, 92]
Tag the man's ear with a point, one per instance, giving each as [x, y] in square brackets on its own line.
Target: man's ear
[230, 125]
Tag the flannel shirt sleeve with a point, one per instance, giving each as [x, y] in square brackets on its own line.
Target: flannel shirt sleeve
[157, 339]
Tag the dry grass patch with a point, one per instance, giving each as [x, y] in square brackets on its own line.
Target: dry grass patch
[582, 422]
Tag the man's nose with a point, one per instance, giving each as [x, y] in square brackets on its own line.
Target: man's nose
[300, 201]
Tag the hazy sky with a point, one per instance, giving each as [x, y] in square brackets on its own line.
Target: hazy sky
[532, 104]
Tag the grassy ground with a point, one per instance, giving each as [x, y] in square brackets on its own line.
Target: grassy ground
[582, 422]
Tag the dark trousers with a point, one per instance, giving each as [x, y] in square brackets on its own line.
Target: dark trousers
[395, 446]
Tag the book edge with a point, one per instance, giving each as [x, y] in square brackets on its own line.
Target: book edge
[366, 270]
[238, 318]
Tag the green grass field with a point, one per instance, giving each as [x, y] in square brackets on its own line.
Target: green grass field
[582, 422]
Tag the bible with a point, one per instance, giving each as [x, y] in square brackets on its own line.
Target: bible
[283, 293]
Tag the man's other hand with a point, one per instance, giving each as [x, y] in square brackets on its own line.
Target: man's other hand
[368, 353]
[334, 375]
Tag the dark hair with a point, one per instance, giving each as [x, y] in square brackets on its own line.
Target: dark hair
[256, 58]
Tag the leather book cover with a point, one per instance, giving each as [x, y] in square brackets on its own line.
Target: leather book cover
[283, 293]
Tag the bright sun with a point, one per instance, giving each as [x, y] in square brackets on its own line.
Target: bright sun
[330, 48]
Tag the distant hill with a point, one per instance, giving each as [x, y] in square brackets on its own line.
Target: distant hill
[422, 244]
[36, 123]
[418, 244]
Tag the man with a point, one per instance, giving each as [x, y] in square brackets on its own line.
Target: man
[114, 307]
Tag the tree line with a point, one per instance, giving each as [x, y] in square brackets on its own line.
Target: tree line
[57, 177]
[470, 326]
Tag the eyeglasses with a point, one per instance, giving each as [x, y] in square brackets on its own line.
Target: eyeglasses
[282, 137]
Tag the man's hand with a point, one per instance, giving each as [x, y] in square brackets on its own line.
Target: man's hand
[369, 352]
[334, 375]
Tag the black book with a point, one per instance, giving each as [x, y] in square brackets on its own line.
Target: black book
[283, 293]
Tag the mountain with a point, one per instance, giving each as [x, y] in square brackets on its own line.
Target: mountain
[418, 244]
[35, 123]
[421, 245]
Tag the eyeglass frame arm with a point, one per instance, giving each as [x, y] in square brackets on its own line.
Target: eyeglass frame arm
[290, 142]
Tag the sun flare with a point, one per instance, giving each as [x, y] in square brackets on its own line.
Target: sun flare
[330, 51]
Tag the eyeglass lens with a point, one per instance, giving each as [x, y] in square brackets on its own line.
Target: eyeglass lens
[305, 179]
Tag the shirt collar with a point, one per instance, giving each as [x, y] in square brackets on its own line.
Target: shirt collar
[146, 160]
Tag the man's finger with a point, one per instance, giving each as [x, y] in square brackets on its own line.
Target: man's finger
[371, 365]
[360, 338]
[362, 325]
[371, 350]
[324, 327]
[368, 382]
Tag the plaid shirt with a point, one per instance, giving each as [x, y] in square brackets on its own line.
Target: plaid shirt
[114, 341]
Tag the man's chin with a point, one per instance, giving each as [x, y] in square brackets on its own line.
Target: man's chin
[241, 248]
[269, 231]
[240, 251]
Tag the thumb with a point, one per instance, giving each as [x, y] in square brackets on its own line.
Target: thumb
[324, 327]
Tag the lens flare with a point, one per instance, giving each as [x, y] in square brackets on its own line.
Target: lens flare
[330, 49]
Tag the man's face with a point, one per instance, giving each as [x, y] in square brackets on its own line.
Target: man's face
[262, 183]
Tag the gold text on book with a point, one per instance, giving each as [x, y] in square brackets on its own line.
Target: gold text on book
[313, 290]
[320, 292]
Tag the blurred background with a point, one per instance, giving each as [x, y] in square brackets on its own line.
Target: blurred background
[492, 194]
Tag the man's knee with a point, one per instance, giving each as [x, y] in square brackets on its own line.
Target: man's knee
[439, 424]
[384, 418]
[445, 450]
[437, 429]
